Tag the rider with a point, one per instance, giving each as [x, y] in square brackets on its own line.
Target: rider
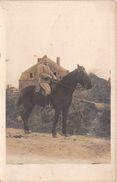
[45, 75]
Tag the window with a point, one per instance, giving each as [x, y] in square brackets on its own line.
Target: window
[31, 75]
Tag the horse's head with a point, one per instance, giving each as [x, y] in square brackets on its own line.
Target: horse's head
[83, 77]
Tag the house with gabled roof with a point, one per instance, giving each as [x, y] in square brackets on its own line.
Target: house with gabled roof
[30, 76]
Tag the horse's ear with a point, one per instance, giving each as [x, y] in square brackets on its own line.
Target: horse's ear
[78, 66]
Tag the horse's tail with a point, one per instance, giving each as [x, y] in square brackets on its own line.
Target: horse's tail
[19, 102]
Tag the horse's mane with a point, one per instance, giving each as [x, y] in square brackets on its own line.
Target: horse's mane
[66, 79]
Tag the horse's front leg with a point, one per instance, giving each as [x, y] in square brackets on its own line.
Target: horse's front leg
[57, 112]
[64, 119]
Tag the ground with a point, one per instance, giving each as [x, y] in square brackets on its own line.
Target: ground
[37, 148]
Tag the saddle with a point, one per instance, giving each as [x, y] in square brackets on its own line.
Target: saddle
[48, 89]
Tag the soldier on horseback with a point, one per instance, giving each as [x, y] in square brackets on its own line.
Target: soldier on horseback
[44, 77]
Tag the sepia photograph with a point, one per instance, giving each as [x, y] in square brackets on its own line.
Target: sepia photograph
[60, 61]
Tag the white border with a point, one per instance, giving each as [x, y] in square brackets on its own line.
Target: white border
[57, 172]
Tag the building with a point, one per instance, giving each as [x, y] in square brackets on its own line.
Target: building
[30, 76]
[11, 90]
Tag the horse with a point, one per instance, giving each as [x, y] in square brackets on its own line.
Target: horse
[60, 98]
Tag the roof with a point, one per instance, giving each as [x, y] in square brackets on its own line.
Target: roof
[54, 64]
[24, 75]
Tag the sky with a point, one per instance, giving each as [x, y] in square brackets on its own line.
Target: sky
[79, 32]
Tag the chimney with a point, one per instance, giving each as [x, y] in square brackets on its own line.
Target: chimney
[58, 60]
[38, 60]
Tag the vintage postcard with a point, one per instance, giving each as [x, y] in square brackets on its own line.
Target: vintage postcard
[58, 90]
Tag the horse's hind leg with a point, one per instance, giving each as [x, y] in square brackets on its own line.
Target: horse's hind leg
[57, 112]
[25, 116]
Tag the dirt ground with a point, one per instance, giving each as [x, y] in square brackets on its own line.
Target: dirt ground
[38, 148]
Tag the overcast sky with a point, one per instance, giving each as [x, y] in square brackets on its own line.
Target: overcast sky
[78, 32]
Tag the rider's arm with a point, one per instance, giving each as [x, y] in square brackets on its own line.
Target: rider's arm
[53, 75]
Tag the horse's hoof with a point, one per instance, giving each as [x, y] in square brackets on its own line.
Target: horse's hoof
[66, 135]
[27, 131]
[54, 135]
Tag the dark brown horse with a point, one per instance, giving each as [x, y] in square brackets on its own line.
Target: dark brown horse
[60, 98]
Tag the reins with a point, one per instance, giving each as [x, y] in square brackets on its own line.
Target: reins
[71, 88]
[65, 85]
